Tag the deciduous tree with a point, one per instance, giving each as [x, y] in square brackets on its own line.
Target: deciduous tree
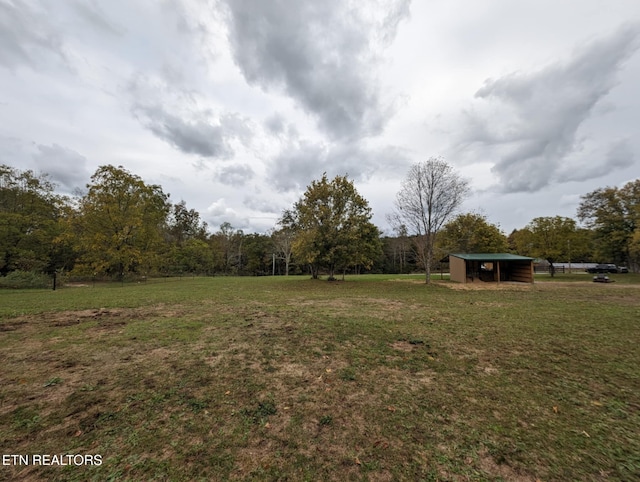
[120, 222]
[184, 224]
[332, 227]
[283, 240]
[228, 244]
[471, 233]
[258, 254]
[614, 215]
[430, 194]
[186, 250]
[30, 214]
[551, 238]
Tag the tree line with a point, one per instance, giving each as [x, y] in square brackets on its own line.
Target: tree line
[122, 227]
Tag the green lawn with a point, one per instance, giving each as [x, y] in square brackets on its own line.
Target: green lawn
[374, 378]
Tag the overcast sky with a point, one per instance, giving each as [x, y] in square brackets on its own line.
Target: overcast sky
[235, 106]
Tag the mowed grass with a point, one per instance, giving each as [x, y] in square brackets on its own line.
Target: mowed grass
[374, 378]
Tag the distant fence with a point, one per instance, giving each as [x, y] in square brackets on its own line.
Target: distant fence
[547, 269]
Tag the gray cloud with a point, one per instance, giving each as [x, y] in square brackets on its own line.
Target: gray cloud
[275, 125]
[323, 54]
[189, 136]
[236, 175]
[178, 118]
[257, 203]
[619, 155]
[530, 120]
[301, 162]
[65, 166]
[26, 37]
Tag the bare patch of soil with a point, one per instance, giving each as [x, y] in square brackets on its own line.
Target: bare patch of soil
[504, 471]
[402, 346]
[104, 317]
[480, 286]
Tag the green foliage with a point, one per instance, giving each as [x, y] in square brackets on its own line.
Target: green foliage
[550, 238]
[614, 215]
[29, 221]
[185, 224]
[258, 254]
[119, 224]
[519, 242]
[471, 233]
[25, 279]
[227, 243]
[191, 256]
[332, 227]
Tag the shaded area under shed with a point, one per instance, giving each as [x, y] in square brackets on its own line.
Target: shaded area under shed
[490, 267]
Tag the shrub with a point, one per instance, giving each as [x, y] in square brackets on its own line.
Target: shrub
[25, 279]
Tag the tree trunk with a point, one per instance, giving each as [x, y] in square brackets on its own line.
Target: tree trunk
[428, 260]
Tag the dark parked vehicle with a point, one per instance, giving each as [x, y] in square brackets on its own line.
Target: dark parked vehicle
[601, 278]
[603, 268]
[623, 269]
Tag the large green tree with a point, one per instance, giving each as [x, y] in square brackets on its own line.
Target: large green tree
[471, 233]
[120, 222]
[30, 222]
[614, 215]
[550, 238]
[332, 226]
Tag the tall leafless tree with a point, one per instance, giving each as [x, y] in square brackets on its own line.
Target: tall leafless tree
[430, 194]
[283, 239]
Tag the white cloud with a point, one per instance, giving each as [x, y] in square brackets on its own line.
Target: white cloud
[529, 122]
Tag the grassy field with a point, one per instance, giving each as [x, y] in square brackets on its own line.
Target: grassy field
[375, 378]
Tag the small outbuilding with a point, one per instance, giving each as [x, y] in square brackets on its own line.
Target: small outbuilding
[490, 267]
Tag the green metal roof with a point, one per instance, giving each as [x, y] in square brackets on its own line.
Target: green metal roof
[490, 257]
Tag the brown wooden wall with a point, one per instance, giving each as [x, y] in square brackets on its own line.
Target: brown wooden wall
[457, 269]
[522, 271]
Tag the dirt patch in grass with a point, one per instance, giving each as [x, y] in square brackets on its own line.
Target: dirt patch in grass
[69, 318]
[480, 286]
[12, 325]
[403, 346]
[504, 471]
